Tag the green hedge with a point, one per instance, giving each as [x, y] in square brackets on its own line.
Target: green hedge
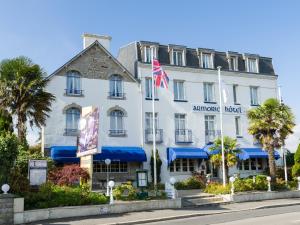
[190, 183]
[50, 195]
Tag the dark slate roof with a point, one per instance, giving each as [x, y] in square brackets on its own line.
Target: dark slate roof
[192, 60]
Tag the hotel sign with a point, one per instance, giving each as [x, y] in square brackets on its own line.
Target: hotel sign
[230, 109]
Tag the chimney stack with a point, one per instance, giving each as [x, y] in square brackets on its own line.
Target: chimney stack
[89, 39]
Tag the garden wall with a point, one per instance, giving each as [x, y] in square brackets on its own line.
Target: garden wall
[93, 210]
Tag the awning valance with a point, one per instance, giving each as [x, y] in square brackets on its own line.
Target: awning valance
[67, 154]
[185, 153]
[249, 153]
[124, 154]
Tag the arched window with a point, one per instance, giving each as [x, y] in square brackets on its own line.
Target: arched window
[73, 83]
[116, 86]
[72, 119]
[117, 123]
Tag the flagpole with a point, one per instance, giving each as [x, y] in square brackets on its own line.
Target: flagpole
[221, 126]
[153, 124]
[282, 147]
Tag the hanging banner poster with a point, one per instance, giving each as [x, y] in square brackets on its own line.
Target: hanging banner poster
[88, 132]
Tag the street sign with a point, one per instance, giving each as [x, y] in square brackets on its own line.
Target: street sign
[37, 172]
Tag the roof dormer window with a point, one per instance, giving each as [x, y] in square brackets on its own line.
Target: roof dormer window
[206, 58]
[149, 53]
[251, 63]
[177, 57]
[232, 58]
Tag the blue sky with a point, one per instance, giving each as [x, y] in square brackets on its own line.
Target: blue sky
[49, 32]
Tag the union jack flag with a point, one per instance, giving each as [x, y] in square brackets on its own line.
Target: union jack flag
[160, 77]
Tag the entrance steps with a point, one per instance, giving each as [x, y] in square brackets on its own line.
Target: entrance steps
[201, 200]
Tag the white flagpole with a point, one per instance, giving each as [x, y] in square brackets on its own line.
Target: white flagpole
[282, 147]
[221, 126]
[153, 123]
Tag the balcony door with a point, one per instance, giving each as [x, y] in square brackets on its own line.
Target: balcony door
[210, 128]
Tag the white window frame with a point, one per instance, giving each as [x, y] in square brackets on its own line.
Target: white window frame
[238, 126]
[148, 89]
[149, 120]
[72, 118]
[233, 66]
[175, 57]
[114, 81]
[73, 83]
[99, 166]
[252, 102]
[180, 121]
[249, 68]
[207, 65]
[148, 55]
[235, 89]
[189, 161]
[206, 92]
[179, 94]
[115, 119]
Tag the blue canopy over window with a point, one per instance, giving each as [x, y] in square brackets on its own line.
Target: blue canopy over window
[249, 153]
[185, 153]
[67, 154]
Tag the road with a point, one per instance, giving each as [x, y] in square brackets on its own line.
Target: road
[289, 215]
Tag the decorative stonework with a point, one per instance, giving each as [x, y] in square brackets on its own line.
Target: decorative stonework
[73, 105]
[116, 108]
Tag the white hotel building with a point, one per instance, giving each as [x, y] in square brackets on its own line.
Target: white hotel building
[187, 117]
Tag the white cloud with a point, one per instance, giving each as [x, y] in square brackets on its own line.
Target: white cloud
[293, 140]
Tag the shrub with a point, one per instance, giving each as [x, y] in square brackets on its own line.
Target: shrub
[217, 188]
[160, 186]
[68, 175]
[50, 195]
[19, 184]
[125, 192]
[158, 166]
[296, 167]
[8, 154]
[190, 183]
[281, 174]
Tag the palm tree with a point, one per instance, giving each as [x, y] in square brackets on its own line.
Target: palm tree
[22, 93]
[270, 124]
[230, 151]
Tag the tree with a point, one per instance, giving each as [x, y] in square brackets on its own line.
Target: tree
[270, 124]
[296, 166]
[230, 153]
[22, 93]
[158, 166]
[6, 122]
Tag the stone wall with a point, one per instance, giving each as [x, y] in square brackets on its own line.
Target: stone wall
[6, 209]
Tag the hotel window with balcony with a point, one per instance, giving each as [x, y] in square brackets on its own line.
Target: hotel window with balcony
[238, 126]
[117, 123]
[177, 56]
[73, 84]
[148, 89]
[209, 93]
[116, 87]
[210, 128]
[149, 128]
[252, 65]
[182, 134]
[254, 96]
[179, 91]
[72, 119]
[182, 165]
[207, 60]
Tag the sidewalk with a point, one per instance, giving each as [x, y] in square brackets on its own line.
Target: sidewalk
[169, 214]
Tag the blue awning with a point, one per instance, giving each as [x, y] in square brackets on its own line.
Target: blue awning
[249, 153]
[67, 154]
[185, 153]
[125, 154]
[64, 154]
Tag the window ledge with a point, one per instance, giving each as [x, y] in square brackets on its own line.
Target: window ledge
[210, 102]
[239, 136]
[255, 104]
[116, 98]
[237, 103]
[156, 99]
[180, 100]
[73, 95]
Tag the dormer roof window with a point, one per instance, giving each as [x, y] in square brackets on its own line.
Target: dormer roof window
[206, 57]
[148, 51]
[232, 58]
[251, 63]
[177, 55]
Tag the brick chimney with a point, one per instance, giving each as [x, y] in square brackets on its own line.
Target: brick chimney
[89, 39]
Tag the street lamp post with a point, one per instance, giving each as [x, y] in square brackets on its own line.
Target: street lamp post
[107, 162]
[269, 183]
[111, 184]
[232, 179]
[172, 182]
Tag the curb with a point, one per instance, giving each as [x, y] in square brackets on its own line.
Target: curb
[200, 214]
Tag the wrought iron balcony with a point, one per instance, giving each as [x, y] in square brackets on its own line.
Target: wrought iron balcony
[116, 95]
[73, 92]
[149, 135]
[211, 135]
[71, 132]
[117, 133]
[183, 136]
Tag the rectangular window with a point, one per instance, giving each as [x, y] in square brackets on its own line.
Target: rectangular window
[259, 164]
[207, 60]
[235, 89]
[209, 92]
[238, 129]
[148, 88]
[148, 54]
[115, 167]
[180, 121]
[246, 164]
[254, 96]
[233, 63]
[253, 164]
[179, 90]
[240, 165]
[182, 165]
[149, 119]
[177, 58]
[210, 131]
[252, 65]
